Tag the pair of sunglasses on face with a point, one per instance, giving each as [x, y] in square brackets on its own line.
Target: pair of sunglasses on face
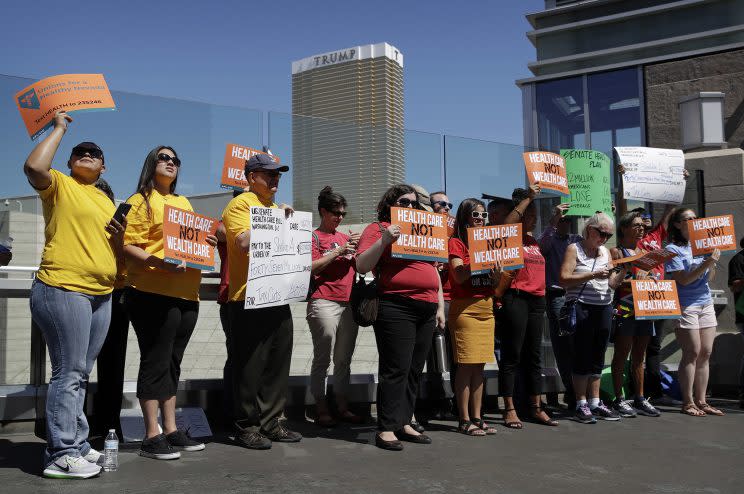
[603, 235]
[165, 158]
[96, 154]
[338, 213]
[442, 204]
[406, 202]
[479, 215]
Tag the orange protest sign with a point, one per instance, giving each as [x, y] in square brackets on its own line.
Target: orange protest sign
[647, 260]
[655, 299]
[488, 245]
[714, 232]
[450, 226]
[70, 92]
[548, 170]
[185, 238]
[423, 235]
[233, 168]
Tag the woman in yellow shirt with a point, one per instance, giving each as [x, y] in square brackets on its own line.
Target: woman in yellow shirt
[163, 303]
[71, 296]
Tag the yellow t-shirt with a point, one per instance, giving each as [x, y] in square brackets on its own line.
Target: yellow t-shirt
[145, 230]
[77, 254]
[237, 219]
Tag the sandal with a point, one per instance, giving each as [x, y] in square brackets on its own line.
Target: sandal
[536, 409]
[710, 410]
[464, 428]
[514, 424]
[480, 423]
[692, 410]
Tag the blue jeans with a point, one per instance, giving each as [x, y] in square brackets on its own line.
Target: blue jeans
[74, 326]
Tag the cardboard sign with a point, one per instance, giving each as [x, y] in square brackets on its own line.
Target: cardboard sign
[280, 257]
[233, 168]
[653, 174]
[450, 226]
[547, 170]
[70, 92]
[647, 260]
[714, 232]
[488, 245]
[655, 299]
[185, 238]
[423, 235]
[588, 174]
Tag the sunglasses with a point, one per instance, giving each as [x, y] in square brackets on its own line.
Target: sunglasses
[406, 203]
[442, 204]
[603, 235]
[479, 215]
[165, 158]
[270, 173]
[93, 153]
[338, 213]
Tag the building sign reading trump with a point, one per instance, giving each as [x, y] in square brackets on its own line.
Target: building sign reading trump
[489, 245]
[423, 235]
[233, 168]
[654, 299]
[548, 170]
[70, 93]
[185, 238]
[715, 232]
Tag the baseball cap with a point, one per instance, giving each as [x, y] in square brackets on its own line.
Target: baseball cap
[264, 162]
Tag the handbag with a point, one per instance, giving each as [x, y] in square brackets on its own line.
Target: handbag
[364, 300]
[567, 314]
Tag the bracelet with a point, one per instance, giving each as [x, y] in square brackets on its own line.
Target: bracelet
[518, 212]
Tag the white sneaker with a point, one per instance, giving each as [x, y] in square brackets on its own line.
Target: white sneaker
[94, 456]
[71, 467]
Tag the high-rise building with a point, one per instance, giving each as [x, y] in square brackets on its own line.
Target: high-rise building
[347, 127]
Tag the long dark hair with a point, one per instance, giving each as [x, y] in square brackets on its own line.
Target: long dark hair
[464, 211]
[147, 176]
[390, 197]
[329, 200]
[675, 234]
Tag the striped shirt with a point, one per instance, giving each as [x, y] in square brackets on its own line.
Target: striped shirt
[597, 291]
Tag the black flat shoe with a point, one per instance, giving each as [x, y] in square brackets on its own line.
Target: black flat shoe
[417, 427]
[388, 445]
[412, 438]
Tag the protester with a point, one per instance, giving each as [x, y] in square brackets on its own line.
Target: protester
[498, 210]
[696, 329]
[524, 315]
[261, 342]
[631, 335]
[163, 304]
[71, 295]
[589, 277]
[471, 320]
[553, 242]
[410, 306]
[736, 285]
[329, 314]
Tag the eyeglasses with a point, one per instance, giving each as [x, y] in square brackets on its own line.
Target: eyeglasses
[442, 204]
[93, 153]
[338, 213]
[479, 215]
[165, 158]
[603, 235]
[407, 203]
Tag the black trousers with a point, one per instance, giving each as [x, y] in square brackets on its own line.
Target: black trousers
[110, 365]
[403, 331]
[521, 338]
[260, 354]
[591, 338]
[652, 374]
[163, 326]
[228, 402]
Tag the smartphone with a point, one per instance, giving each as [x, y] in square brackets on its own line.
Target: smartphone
[121, 211]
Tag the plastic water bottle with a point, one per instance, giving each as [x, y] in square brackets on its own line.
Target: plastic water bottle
[111, 452]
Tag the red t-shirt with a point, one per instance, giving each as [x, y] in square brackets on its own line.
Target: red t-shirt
[478, 286]
[531, 278]
[224, 288]
[653, 240]
[418, 280]
[334, 282]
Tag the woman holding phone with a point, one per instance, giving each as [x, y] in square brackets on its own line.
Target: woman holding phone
[163, 303]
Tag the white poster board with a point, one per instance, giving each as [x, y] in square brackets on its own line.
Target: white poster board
[653, 174]
[280, 257]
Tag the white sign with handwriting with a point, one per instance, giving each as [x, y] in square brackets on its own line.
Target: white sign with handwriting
[653, 174]
[280, 257]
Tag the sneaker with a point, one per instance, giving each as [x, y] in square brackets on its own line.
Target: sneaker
[283, 435]
[603, 412]
[645, 408]
[584, 415]
[252, 440]
[158, 448]
[181, 441]
[623, 408]
[94, 457]
[71, 467]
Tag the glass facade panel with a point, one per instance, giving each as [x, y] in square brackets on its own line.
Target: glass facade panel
[560, 114]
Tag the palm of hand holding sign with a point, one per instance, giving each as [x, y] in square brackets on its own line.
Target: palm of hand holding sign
[390, 235]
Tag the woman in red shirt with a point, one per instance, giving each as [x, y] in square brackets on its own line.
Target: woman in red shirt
[471, 320]
[410, 306]
[524, 316]
[328, 312]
